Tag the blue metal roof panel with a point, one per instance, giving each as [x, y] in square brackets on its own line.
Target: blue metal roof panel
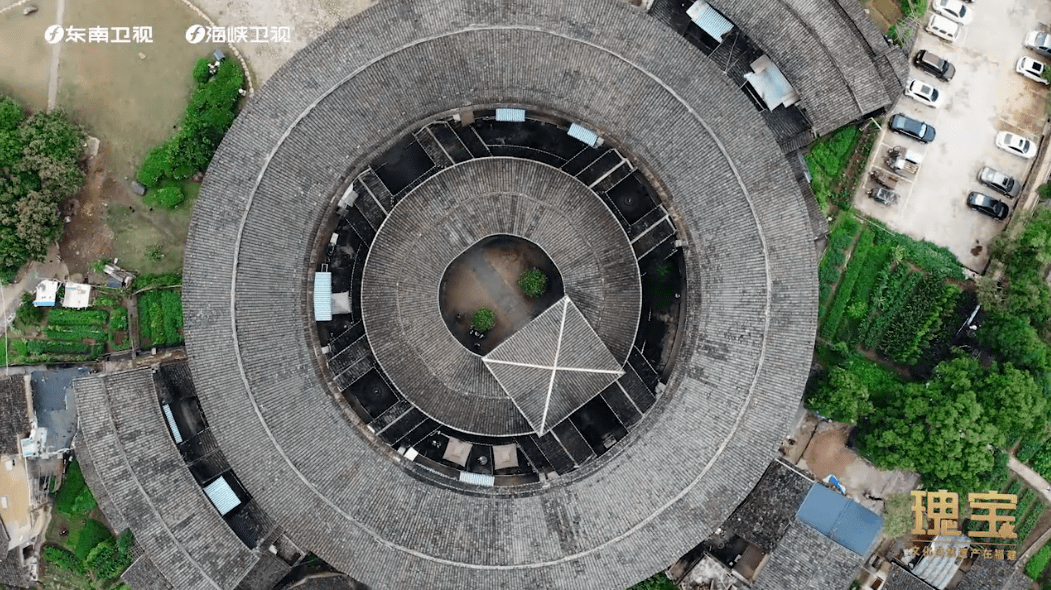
[821, 508]
[323, 296]
[171, 423]
[709, 20]
[856, 528]
[583, 134]
[477, 479]
[222, 495]
[511, 115]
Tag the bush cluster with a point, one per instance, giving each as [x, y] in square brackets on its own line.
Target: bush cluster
[533, 283]
[211, 111]
[483, 320]
[74, 498]
[38, 171]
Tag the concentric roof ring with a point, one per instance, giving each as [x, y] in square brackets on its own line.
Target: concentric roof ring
[746, 347]
[440, 219]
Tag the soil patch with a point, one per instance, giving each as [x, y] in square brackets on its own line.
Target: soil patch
[828, 453]
[85, 237]
[486, 275]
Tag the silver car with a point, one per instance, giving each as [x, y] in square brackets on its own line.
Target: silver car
[998, 181]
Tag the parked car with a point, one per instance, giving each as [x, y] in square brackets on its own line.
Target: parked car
[999, 182]
[1032, 69]
[934, 65]
[923, 93]
[953, 10]
[1039, 42]
[1016, 144]
[939, 26]
[994, 208]
[917, 130]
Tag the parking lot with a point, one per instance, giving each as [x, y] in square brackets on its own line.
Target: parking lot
[986, 96]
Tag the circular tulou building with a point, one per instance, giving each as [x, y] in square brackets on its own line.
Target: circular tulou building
[400, 174]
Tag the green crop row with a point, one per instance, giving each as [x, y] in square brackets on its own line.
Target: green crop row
[846, 286]
[886, 305]
[160, 317]
[934, 259]
[56, 347]
[909, 333]
[1026, 526]
[75, 333]
[118, 320]
[61, 316]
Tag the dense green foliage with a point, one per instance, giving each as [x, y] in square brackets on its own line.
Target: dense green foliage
[842, 396]
[656, 582]
[168, 197]
[533, 283]
[1038, 562]
[934, 259]
[1025, 258]
[93, 533]
[61, 316]
[846, 286]
[161, 280]
[118, 320]
[62, 558]
[160, 317]
[483, 320]
[74, 498]
[38, 171]
[209, 114]
[827, 160]
[28, 314]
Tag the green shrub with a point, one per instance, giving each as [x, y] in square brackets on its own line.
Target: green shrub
[156, 164]
[63, 559]
[168, 197]
[1038, 563]
[161, 280]
[201, 72]
[656, 582]
[118, 320]
[28, 314]
[483, 320]
[533, 283]
[93, 533]
[1044, 190]
[110, 558]
[74, 498]
[104, 301]
[1028, 448]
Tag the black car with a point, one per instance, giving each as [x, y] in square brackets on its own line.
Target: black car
[999, 182]
[917, 130]
[934, 65]
[994, 208]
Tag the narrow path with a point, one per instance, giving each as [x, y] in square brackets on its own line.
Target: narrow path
[56, 51]
[133, 324]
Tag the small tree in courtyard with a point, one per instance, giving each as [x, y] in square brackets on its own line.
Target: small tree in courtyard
[533, 283]
[483, 320]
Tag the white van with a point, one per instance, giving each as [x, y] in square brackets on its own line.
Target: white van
[939, 26]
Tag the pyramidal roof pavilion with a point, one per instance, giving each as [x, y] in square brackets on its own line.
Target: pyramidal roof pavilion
[553, 365]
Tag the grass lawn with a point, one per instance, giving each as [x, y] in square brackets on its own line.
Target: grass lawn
[27, 57]
[131, 105]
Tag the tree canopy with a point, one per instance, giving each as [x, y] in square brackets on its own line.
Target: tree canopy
[38, 171]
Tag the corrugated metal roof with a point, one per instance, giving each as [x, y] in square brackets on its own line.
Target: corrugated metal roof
[586, 135]
[938, 570]
[703, 15]
[171, 423]
[222, 495]
[510, 115]
[840, 519]
[771, 84]
[322, 296]
[477, 479]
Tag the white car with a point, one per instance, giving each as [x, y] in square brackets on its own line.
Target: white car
[923, 93]
[1032, 69]
[1016, 144]
[953, 10]
[940, 26]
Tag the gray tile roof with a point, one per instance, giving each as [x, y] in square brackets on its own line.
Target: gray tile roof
[994, 574]
[900, 579]
[13, 574]
[553, 365]
[440, 219]
[143, 575]
[141, 472]
[749, 325]
[805, 559]
[826, 48]
[14, 422]
[767, 512]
